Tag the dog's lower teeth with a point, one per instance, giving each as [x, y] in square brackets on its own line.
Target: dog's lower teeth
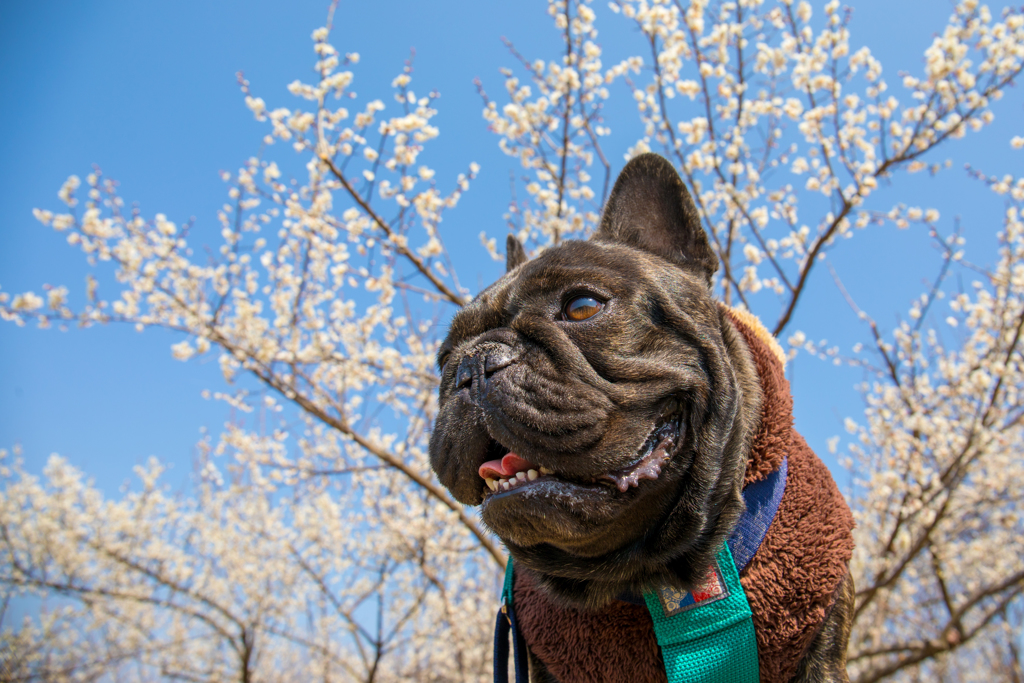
[507, 484]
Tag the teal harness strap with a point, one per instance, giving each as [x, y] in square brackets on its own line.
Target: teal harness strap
[506, 586]
[706, 636]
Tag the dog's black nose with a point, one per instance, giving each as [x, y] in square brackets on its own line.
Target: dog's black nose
[464, 377]
[484, 361]
[496, 357]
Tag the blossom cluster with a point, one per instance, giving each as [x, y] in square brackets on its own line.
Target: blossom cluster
[234, 585]
[553, 125]
[938, 492]
[326, 289]
[790, 117]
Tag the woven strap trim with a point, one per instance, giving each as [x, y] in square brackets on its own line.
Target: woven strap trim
[707, 635]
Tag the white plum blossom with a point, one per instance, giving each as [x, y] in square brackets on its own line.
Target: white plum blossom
[938, 492]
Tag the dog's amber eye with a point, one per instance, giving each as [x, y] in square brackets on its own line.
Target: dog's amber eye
[581, 308]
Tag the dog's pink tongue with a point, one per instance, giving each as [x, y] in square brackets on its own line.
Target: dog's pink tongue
[506, 467]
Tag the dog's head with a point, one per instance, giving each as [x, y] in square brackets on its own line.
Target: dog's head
[589, 400]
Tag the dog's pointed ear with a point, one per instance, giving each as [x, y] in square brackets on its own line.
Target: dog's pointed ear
[651, 209]
[515, 255]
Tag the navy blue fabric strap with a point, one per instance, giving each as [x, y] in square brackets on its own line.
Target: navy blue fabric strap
[501, 627]
[762, 499]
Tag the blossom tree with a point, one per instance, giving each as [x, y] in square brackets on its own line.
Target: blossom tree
[938, 504]
[341, 558]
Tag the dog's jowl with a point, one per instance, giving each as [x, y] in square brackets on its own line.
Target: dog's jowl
[631, 441]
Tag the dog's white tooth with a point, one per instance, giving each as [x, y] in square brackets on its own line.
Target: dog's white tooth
[545, 470]
[491, 484]
[521, 476]
[505, 485]
[532, 474]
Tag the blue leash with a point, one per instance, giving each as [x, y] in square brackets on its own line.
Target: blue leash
[506, 622]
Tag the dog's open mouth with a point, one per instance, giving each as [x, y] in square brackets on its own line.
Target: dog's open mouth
[513, 472]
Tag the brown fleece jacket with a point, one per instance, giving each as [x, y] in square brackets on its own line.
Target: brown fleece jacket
[789, 583]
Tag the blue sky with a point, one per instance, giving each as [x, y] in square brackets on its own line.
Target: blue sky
[147, 91]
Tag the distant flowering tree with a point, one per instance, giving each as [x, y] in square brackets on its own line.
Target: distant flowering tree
[329, 552]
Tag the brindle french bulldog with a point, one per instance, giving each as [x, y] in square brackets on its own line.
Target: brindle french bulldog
[600, 405]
